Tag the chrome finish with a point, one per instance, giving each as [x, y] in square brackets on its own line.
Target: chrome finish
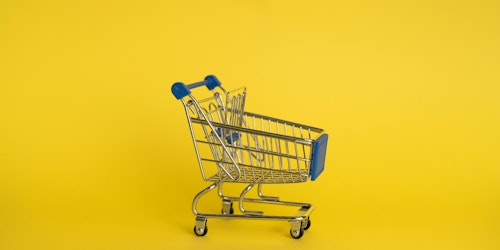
[264, 197]
[227, 207]
[242, 199]
[305, 209]
[234, 146]
[200, 228]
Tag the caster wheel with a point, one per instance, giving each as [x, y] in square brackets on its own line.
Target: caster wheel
[308, 224]
[200, 231]
[227, 207]
[297, 234]
[231, 211]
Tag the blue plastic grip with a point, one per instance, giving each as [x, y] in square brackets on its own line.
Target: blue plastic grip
[318, 156]
[180, 90]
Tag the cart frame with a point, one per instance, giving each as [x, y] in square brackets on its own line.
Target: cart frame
[242, 151]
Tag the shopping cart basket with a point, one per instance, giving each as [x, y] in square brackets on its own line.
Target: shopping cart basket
[236, 146]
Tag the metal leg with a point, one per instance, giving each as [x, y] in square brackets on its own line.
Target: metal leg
[219, 191]
[200, 194]
[264, 197]
[242, 198]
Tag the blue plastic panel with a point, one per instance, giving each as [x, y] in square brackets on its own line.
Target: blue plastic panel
[318, 156]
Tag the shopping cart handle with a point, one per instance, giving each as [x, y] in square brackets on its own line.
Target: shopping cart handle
[180, 90]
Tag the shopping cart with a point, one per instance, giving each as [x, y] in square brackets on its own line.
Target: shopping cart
[236, 146]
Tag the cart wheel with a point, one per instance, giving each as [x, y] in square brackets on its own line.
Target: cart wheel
[297, 234]
[308, 224]
[227, 207]
[231, 211]
[200, 231]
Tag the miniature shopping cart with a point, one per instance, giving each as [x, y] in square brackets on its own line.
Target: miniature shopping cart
[236, 146]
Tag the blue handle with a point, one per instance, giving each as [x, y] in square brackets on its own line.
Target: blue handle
[180, 90]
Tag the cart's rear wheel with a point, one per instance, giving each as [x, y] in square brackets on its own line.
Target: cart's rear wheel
[200, 231]
[231, 211]
[297, 234]
[308, 225]
[227, 207]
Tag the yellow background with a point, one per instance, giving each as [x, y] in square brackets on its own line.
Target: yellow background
[95, 151]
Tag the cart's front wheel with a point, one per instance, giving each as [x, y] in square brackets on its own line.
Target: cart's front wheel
[200, 231]
[297, 234]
